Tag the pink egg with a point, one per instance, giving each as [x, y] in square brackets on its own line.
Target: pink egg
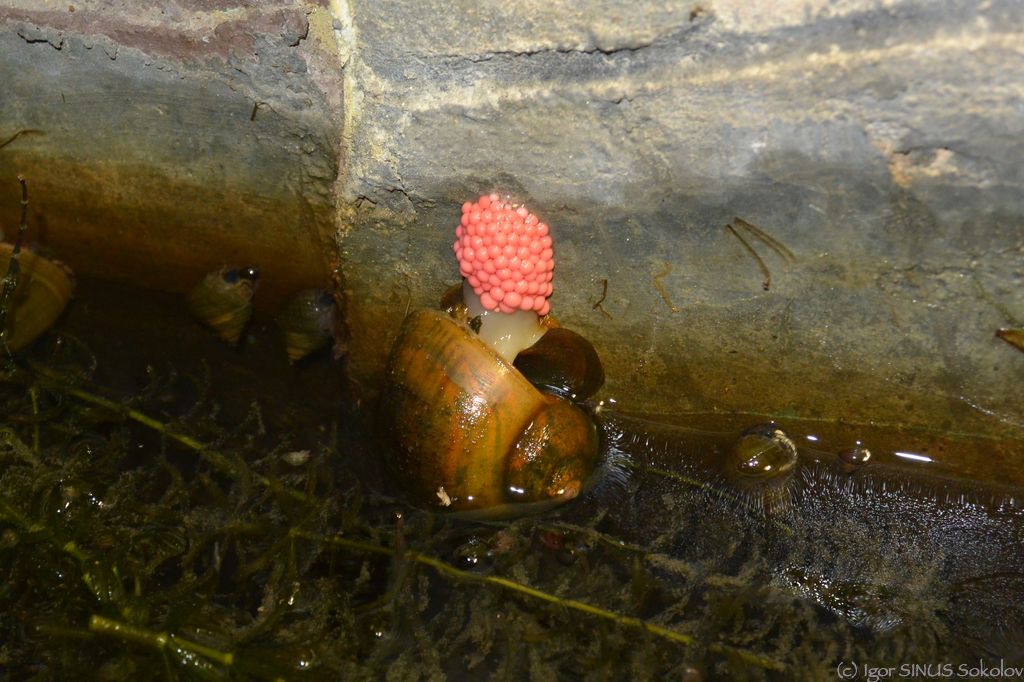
[505, 254]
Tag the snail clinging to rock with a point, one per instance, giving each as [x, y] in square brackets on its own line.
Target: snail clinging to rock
[34, 290]
[469, 431]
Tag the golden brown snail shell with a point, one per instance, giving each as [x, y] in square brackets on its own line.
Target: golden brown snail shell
[223, 301]
[44, 289]
[1014, 337]
[469, 432]
[307, 323]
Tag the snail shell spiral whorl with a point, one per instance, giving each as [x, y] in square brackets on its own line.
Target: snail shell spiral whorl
[469, 431]
[223, 301]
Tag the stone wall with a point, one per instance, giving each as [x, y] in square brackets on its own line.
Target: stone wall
[881, 143]
[164, 139]
[878, 143]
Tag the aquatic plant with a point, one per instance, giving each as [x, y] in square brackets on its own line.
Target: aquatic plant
[168, 517]
[245, 562]
[179, 547]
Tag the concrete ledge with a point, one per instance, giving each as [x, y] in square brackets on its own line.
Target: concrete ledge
[163, 140]
[880, 143]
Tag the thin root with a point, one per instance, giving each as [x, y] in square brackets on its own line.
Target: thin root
[661, 288]
[766, 284]
[604, 295]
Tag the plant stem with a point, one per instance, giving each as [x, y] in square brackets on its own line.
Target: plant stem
[157, 640]
[34, 394]
[210, 455]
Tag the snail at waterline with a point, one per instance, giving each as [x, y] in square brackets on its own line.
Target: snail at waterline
[760, 466]
[223, 301]
[35, 290]
[308, 322]
[468, 431]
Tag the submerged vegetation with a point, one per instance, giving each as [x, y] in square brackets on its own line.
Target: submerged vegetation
[179, 531]
[172, 508]
[175, 548]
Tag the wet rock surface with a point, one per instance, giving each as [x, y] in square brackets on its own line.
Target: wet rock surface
[878, 144]
[172, 138]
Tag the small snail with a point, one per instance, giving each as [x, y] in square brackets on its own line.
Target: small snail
[307, 323]
[469, 431]
[35, 289]
[43, 292]
[1014, 337]
[760, 465]
[223, 301]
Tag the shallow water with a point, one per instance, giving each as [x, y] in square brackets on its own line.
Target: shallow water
[254, 520]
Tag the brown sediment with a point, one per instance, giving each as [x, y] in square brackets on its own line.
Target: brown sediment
[917, 450]
[159, 230]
